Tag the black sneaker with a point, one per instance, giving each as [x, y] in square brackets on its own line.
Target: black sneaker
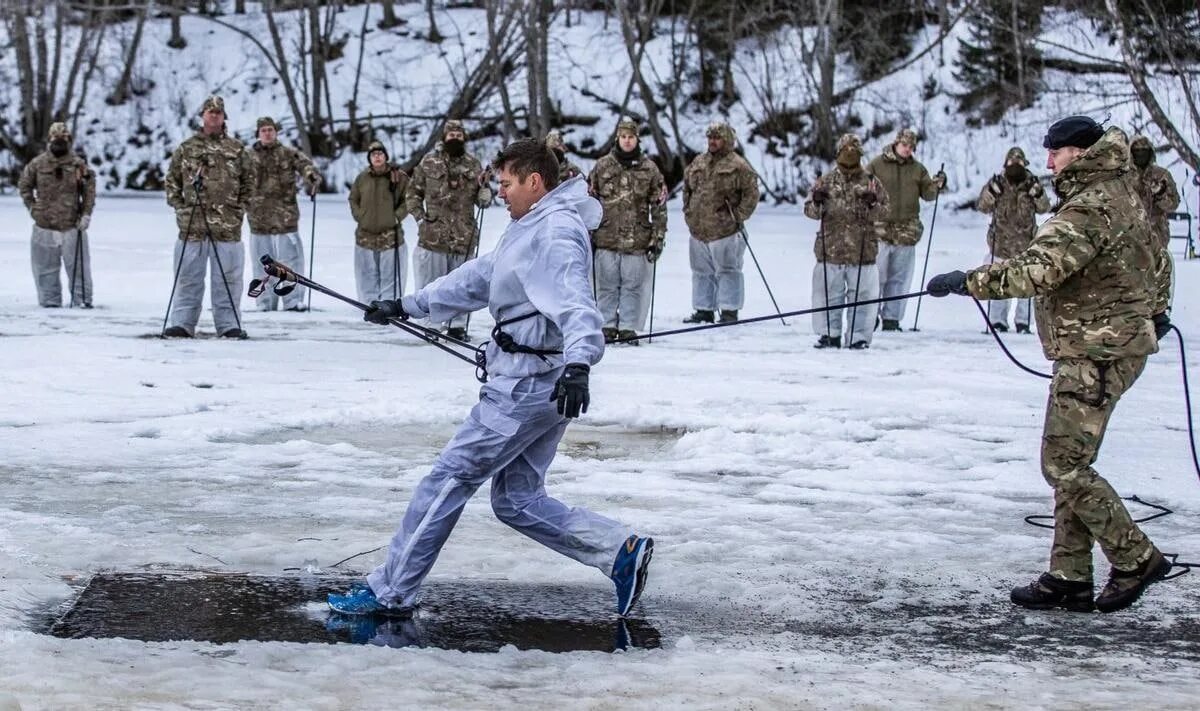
[298, 309]
[610, 334]
[1048, 592]
[176, 332]
[237, 333]
[859, 346]
[730, 316]
[1023, 328]
[891, 325]
[1125, 587]
[828, 342]
[701, 316]
[457, 333]
[1000, 327]
[628, 333]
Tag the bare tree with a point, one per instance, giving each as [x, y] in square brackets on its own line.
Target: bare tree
[121, 93]
[176, 9]
[538, 16]
[389, 15]
[434, 35]
[498, 67]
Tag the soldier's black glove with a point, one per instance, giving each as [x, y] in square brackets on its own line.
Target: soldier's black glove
[571, 390]
[995, 186]
[1162, 324]
[954, 282]
[820, 194]
[869, 198]
[940, 179]
[381, 312]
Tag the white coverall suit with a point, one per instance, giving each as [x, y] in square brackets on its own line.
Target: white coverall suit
[542, 265]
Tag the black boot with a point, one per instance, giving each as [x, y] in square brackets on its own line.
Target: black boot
[829, 342]
[625, 333]
[891, 325]
[610, 334]
[729, 316]
[701, 316]
[1000, 327]
[1022, 328]
[859, 346]
[176, 332]
[457, 333]
[235, 333]
[1048, 592]
[1125, 587]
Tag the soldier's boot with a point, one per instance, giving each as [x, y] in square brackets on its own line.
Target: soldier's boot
[628, 333]
[828, 342]
[176, 332]
[1000, 327]
[1048, 592]
[457, 333]
[1023, 328]
[610, 334]
[891, 325]
[729, 315]
[235, 333]
[859, 346]
[701, 316]
[1125, 587]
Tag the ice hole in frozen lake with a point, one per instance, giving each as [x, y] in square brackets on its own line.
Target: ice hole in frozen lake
[579, 442]
[469, 616]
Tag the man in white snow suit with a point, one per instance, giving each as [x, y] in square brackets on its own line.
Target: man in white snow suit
[536, 284]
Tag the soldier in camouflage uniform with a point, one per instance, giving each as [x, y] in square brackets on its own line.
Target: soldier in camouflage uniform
[631, 236]
[59, 190]
[720, 192]
[847, 201]
[445, 189]
[377, 204]
[566, 169]
[210, 223]
[1013, 199]
[1160, 196]
[273, 213]
[906, 182]
[1091, 267]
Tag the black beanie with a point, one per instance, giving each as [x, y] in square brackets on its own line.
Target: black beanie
[1077, 131]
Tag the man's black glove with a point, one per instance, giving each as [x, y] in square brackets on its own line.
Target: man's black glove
[1162, 324]
[954, 282]
[381, 312]
[571, 390]
[996, 186]
[820, 194]
[869, 197]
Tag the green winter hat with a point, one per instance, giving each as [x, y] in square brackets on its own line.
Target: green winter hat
[907, 136]
[721, 129]
[454, 125]
[376, 146]
[1015, 153]
[58, 129]
[215, 103]
[266, 121]
[628, 125]
[554, 140]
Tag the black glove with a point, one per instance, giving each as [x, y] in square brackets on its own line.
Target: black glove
[995, 186]
[654, 251]
[381, 312]
[571, 390]
[869, 198]
[820, 194]
[1162, 324]
[954, 282]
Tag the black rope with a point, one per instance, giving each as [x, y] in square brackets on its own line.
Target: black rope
[1187, 398]
[1000, 342]
[1033, 519]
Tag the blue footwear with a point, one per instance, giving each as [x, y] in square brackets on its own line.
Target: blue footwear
[360, 600]
[629, 571]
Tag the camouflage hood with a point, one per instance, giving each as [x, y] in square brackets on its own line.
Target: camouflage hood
[1107, 158]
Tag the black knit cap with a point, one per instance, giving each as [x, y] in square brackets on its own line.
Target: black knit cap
[1078, 131]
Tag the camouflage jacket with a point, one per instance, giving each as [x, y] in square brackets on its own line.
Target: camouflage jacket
[377, 204]
[1159, 196]
[273, 172]
[567, 170]
[1014, 213]
[227, 183]
[634, 213]
[442, 197]
[906, 182]
[51, 189]
[847, 233]
[1090, 265]
[712, 185]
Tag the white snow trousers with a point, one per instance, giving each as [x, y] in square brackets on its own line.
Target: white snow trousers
[510, 438]
[895, 264]
[50, 252]
[842, 280]
[285, 248]
[623, 289]
[717, 281]
[429, 266]
[375, 273]
[998, 310]
[189, 287]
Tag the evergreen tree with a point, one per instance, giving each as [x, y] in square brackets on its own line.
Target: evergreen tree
[999, 64]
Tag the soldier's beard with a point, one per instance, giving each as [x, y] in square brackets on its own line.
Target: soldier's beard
[58, 148]
[1014, 173]
[454, 147]
[1141, 158]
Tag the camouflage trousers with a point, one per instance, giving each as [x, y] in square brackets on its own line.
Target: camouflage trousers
[1083, 394]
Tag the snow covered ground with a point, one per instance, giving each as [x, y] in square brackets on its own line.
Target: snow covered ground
[866, 505]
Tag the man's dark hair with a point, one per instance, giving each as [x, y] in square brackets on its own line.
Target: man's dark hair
[527, 156]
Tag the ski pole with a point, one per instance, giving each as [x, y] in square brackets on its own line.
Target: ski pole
[746, 241]
[198, 185]
[928, 247]
[825, 266]
[217, 256]
[475, 255]
[653, 287]
[312, 246]
[862, 250]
